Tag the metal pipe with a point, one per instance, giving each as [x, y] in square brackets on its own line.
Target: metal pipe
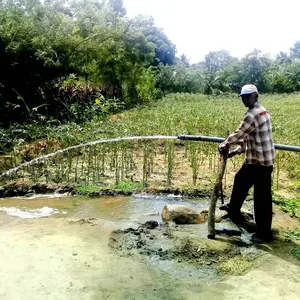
[220, 140]
[212, 139]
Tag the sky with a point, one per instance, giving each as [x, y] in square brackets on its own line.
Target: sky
[239, 26]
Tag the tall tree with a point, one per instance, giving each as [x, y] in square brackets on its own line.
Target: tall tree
[164, 49]
[43, 43]
[295, 50]
[118, 7]
[216, 60]
[251, 69]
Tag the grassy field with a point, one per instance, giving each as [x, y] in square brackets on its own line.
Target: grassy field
[201, 115]
[198, 114]
[163, 163]
[181, 113]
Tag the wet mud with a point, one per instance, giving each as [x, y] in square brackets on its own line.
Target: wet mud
[182, 244]
[16, 189]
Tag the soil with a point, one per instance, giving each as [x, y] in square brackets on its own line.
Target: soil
[91, 258]
[176, 242]
[15, 189]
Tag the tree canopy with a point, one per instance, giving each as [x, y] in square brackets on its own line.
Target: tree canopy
[66, 58]
[45, 43]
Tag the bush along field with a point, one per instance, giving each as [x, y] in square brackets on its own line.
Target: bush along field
[156, 163]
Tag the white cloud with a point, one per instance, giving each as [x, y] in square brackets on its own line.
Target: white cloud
[200, 26]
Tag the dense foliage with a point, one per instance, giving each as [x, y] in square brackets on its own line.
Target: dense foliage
[77, 60]
[49, 48]
[222, 73]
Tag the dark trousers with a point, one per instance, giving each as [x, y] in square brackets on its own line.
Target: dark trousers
[260, 177]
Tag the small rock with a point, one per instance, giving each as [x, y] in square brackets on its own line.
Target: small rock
[151, 224]
[181, 214]
[136, 233]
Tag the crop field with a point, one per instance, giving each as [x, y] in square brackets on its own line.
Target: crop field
[161, 162]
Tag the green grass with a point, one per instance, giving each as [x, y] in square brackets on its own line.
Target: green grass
[183, 113]
[296, 253]
[291, 206]
[198, 114]
[85, 190]
[176, 114]
[127, 185]
[292, 235]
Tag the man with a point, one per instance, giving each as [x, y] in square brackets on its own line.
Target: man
[255, 136]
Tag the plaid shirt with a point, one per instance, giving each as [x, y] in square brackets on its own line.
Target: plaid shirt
[255, 132]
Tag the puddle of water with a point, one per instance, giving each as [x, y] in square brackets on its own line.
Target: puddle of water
[140, 208]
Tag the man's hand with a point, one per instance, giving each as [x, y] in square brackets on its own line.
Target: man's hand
[224, 149]
[239, 149]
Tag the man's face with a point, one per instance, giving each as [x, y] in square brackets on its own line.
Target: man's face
[249, 99]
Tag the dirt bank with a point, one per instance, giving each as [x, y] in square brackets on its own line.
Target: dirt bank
[16, 189]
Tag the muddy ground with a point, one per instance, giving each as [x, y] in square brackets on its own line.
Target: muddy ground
[82, 258]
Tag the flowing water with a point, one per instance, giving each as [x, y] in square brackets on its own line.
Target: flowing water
[140, 208]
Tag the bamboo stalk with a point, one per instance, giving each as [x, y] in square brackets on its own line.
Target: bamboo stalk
[214, 197]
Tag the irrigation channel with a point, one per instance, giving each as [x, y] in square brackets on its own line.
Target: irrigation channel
[58, 246]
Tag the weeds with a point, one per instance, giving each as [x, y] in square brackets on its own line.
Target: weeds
[292, 235]
[291, 206]
[85, 190]
[296, 253]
